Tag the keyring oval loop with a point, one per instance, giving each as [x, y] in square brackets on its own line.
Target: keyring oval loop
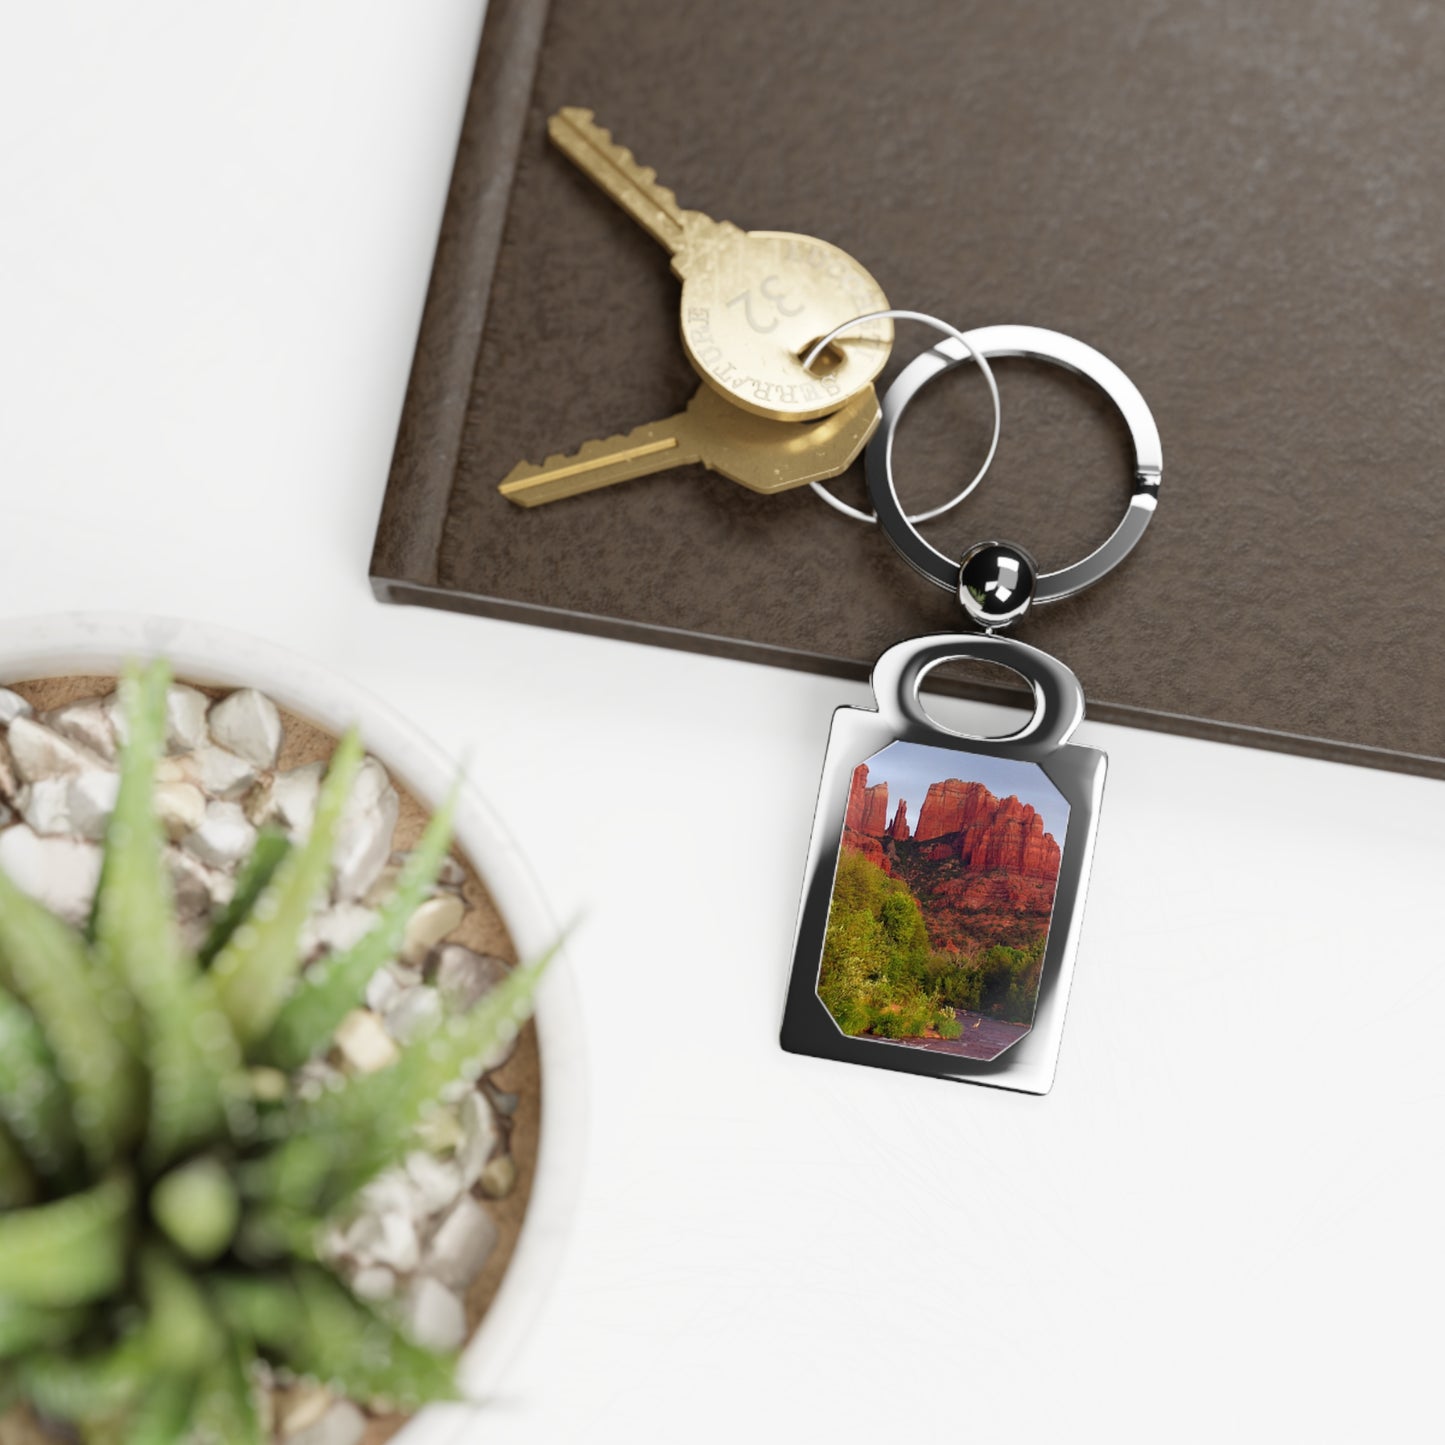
[1037, 344]
[899, 674]
[964, 351]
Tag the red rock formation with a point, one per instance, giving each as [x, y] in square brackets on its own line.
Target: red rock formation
[951, 806]
[867, 807]
[857, 794]
[898, 828]
[1012, 839]
[992, 832]
[870, 848]
[875, 811]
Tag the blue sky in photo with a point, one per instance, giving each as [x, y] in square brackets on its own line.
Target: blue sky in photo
[908, 769]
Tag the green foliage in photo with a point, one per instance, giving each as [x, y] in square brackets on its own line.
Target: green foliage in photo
[881, 975]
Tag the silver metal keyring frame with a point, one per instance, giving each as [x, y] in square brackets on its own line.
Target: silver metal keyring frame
[1036, 344]
[964, 352]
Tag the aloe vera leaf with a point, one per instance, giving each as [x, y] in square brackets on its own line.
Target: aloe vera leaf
[256, 969]
[267, 854]
[18, 1184]
[225, 1404]
[26, 1327]
[340, 1142]
[355, 1349]
[197, 1207]
[160, 1416]
[45, 964]
[90, 1387]
[190, 1055]
[70, 1251]
[182, 1331]
[258, 1306]
[330, 990]
[34, 1104]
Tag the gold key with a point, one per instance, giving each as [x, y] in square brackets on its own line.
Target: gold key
[753, 302]
[766, 456]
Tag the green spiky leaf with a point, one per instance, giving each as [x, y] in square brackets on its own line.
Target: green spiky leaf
[45, 964]
[87, 1386]
[192, 1058]
[338, 1143]
[314, 1324]
[256, 970]
[225, 1405]
[34, 1104]
[182, 1328]
[363, 1353]
[25, 1327]
[330, 989]
[18, 1183]
[70, 1251]
[162, 1414]
[267, 854]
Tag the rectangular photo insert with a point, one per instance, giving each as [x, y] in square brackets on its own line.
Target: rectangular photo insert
[942, 900]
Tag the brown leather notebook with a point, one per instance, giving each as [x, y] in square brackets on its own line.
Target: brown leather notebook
[1243, 206]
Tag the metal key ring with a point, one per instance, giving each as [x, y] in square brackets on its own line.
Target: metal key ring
[963, 351]
[1036, 344]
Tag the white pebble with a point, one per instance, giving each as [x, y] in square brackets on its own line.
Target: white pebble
[86, 723]
[364, 1043]
[388, 1239]
[291, 799]
[45, 805]
[436, 1318]
[342, 1424]
[431, 923]
[38, 752]
[363, 835]
[61, 873]
[185, 718]
[390, 1192]
[412, 1013]
[375, 1282]
[224, 837]
[381, 989]
[499, 1178]
[248, 724]
[337, 928]
[462, 1244]
[302, 1405]
[181, 807]
[198, 889]
[481, 1135]
[90, 799]
[9, 783]
[464, 976]
[438, 1181]
[220, 773]
[12, 706]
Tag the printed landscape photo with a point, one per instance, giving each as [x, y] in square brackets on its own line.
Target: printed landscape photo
[942, 900]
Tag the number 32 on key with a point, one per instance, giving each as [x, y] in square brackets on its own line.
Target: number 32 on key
[774, 294]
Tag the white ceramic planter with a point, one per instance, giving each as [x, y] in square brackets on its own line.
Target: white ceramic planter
[62, 645]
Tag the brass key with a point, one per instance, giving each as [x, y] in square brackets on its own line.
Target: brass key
[766, 456]
[753, 302]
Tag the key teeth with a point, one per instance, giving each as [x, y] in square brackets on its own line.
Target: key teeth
[525, 471]
[576, 118]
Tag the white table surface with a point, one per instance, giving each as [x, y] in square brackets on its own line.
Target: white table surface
[217, 227]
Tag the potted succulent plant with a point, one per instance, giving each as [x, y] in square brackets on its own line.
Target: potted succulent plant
[244, 1158]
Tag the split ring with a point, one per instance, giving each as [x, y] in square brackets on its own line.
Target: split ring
[1036, 344]
[963, 350]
